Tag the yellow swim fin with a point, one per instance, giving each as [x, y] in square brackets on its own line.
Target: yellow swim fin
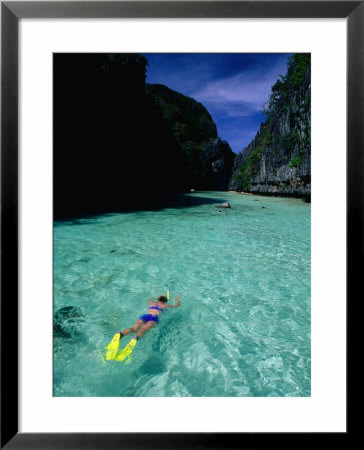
[112, 348]
[126, 350]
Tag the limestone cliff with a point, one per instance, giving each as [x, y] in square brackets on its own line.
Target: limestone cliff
[278, 160]
[210, 159]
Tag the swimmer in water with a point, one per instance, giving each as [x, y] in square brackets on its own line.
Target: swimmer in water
[148, 321]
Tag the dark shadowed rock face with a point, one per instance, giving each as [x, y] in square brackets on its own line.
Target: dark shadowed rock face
[278, 160]
[219, 160]
[111, 146]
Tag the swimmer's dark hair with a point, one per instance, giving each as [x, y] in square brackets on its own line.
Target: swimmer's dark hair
[162, 298]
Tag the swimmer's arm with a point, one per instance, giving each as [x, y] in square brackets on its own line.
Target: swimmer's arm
[176, 305]
[151, 300]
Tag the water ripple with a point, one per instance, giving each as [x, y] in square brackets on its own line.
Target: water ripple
[243, 328]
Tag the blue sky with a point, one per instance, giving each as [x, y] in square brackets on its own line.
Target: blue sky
[232, 86]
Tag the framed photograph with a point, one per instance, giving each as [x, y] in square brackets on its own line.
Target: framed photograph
[157, 155]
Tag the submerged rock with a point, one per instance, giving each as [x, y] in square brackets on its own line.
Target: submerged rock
[67, 321]
[124, 251]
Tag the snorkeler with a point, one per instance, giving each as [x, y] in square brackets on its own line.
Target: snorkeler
[143, 324]
[147, 321]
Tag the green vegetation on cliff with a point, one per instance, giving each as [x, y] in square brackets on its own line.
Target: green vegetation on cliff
[189, 120]
[195, 131]
[285, 87]
[251, 165]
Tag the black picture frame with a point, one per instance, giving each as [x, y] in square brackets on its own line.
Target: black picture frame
[11, 12]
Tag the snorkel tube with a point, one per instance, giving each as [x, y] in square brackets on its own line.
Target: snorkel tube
[167, 296]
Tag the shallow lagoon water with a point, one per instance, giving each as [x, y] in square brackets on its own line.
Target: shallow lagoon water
[243, 328]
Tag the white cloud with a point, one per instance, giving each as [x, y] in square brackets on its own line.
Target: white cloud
[241, 94]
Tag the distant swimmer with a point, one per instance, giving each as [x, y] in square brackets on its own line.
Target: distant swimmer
[142, 325]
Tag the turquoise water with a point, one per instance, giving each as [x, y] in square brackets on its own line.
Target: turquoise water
[243, 327]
